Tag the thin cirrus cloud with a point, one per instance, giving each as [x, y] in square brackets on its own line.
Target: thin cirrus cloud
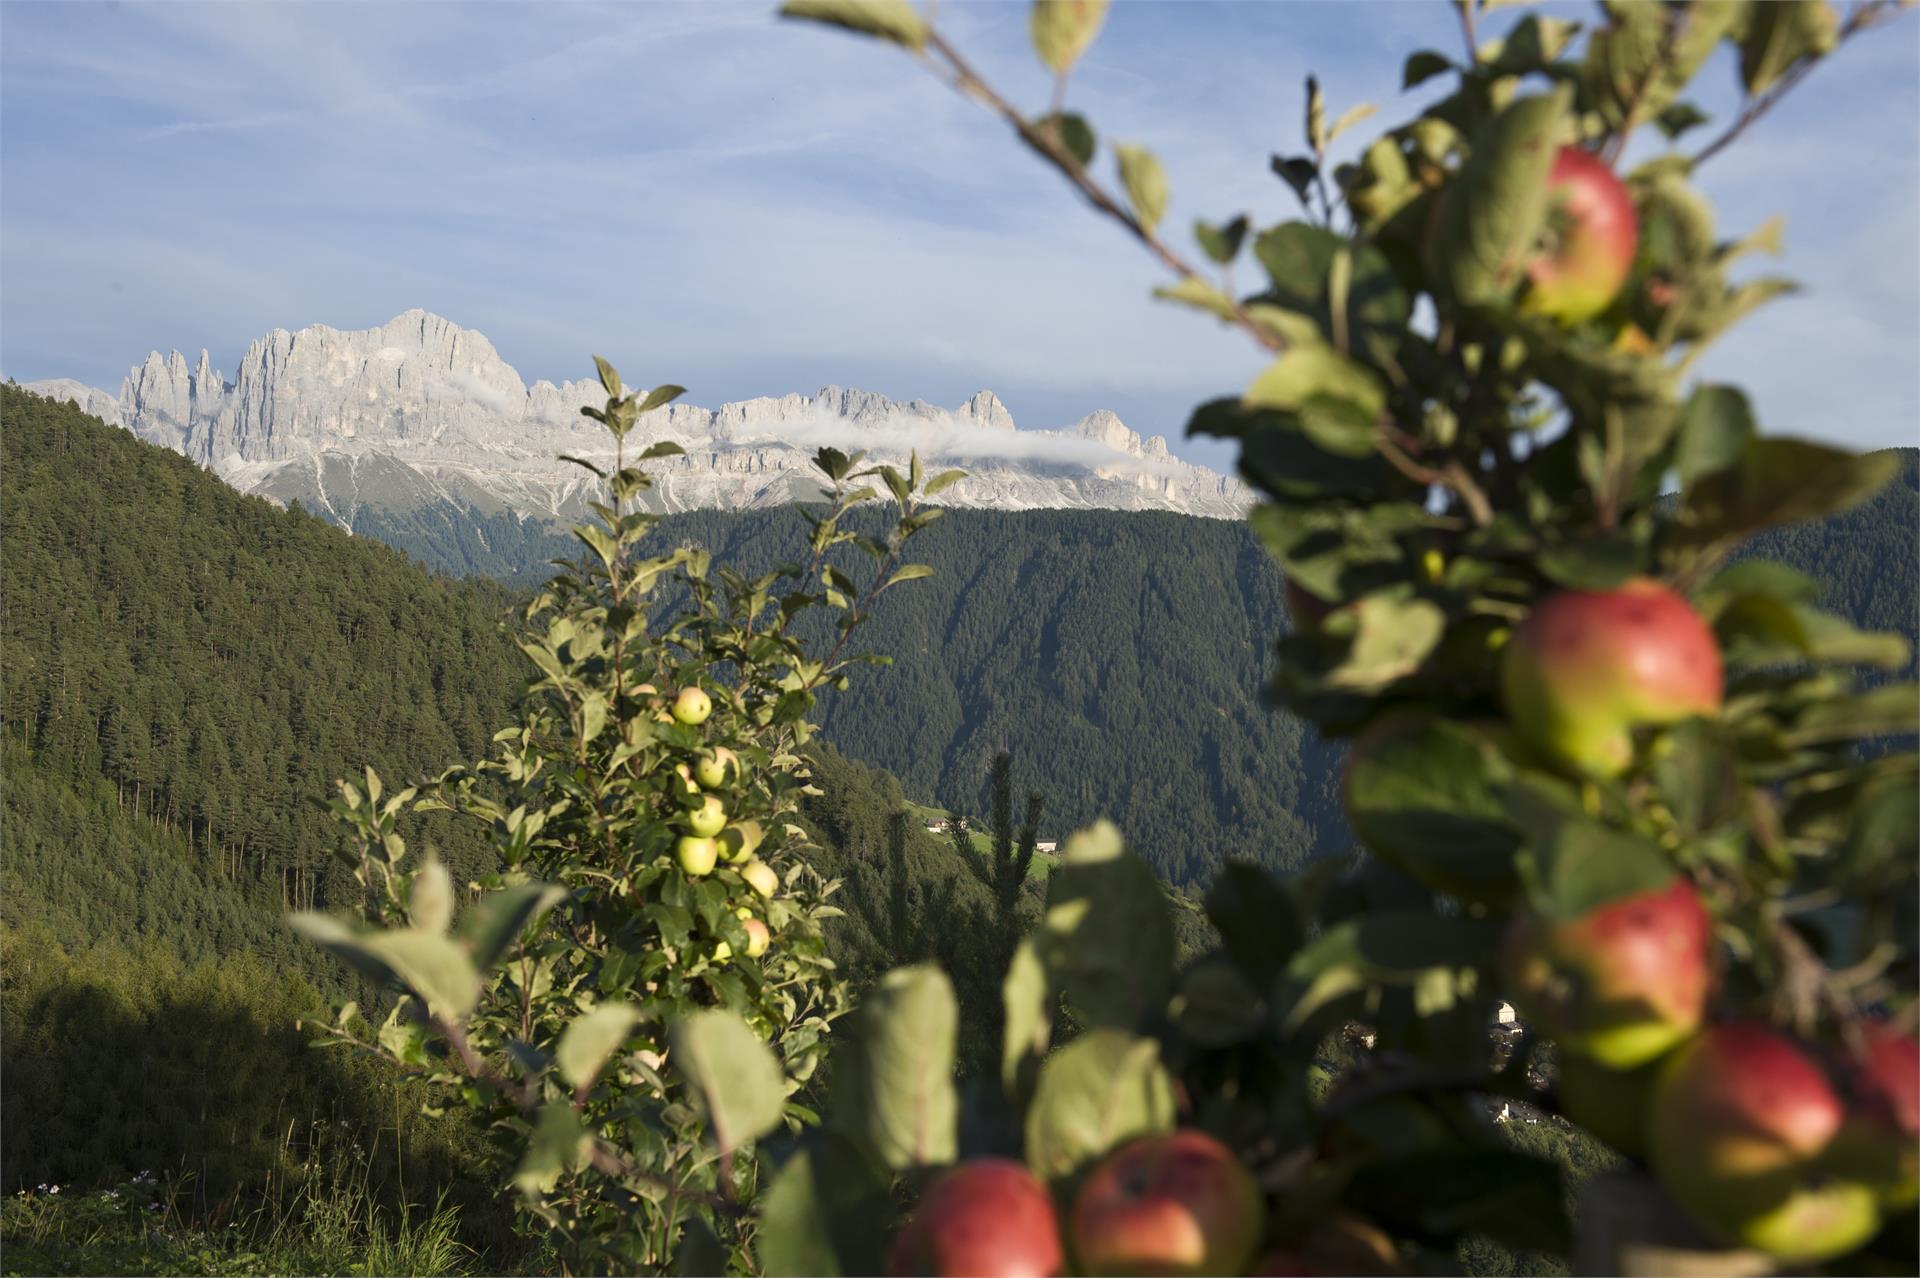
[751, 207]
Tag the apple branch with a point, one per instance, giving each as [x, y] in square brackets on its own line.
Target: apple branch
[1046, 141]
[1866, 14]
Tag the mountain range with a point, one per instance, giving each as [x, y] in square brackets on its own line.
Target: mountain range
[421, 413]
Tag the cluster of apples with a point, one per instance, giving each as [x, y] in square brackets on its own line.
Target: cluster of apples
[1176, 1203]
[1768, 1142]
[711, 836]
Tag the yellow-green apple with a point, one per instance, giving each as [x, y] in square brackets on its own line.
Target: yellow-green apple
[697, 854]
[1588, 666]
[741, 840]
[709, 818]
[1741, 1120]
[683, 786]
[692, 707]
[987, 1218]
[1880, 1141]
[1588, 245]
[1623, 983]
[760, 877]
[716, 769]
[1178, 1203]
[758, 938]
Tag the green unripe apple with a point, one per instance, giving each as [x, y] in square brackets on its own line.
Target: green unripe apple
[1179, 1203]
[683, 786]
[761, 878]
[1588, 666]
[692, 707]
[1623, 983]
[722, 952]
[697, 854]
[709, 818]
[758, 938]
[1739, 1126]
[718, 768]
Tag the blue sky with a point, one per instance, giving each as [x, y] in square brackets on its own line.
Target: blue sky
[709, 196]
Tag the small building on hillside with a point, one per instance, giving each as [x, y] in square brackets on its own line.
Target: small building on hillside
[1046, 845]
[938, 825]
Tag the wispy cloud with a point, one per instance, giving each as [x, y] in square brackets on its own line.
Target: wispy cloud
[750, 207]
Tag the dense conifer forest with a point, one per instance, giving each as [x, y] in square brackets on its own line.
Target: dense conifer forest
[187, 669]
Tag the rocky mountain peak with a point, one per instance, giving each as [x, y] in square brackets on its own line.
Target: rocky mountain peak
[424, 397]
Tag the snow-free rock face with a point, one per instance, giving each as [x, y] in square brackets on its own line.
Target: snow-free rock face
[421, 410]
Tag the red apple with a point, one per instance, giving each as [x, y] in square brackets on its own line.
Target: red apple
[1880, 1141]
[1587, 250]
[988, 1217]
[758, 938]
[1624, 982]
[1174, 1204]
[1588, 666]
[1740, 1122]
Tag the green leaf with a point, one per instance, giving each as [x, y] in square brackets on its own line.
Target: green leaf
[893, 20]
[1597, 563]
[1716, 428]
[1425, 794]
[1586, 865]
[1146, 183]
[1298, 172]
[899, 1096]
[1221, 243]
[1348, 118]
[794, 1237]
[1423, 66]
[661, 395]
[1106, 938]
[1197, 293]
[1778, 481]
[1076, 135]
[1440, 1194]
[492, 926]
[1028, 1000]
[1404, 948]
[942, 481]
[1392, 634]
[1297, 258]
[1307, 372]
[1495, 208]
[1890, 710]
[665, 448]
[910, 572]
[1063, 30]
[700, 1252]
[592, 1037]
[1256, 920]
[1780, 33]
[434, 968]
[430, 898]
[735, 1073]
[1099, 1091]
[1679, 118]
[557, 1145]
[609, 379]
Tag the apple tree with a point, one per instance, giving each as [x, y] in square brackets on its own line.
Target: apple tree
[1602, 764]
[642, 990]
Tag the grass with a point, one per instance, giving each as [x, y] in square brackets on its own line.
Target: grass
[330, 1225]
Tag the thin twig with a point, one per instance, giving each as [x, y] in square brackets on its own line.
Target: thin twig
[1047, 142]
[1864, 15]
